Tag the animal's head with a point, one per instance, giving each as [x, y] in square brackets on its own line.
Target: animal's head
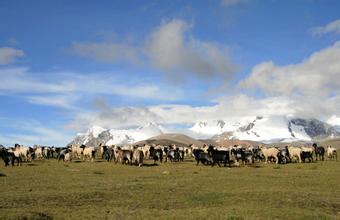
[210, 148]
[83, 146]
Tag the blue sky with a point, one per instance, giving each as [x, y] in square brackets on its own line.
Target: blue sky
[68, 65]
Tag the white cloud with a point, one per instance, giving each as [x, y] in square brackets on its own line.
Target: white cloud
[9, 55]
[332, 27]
[226, 108]
[65, 101]
[30, 132]
[318, 76]
[64, 89]
[20, 80]
[172, 50]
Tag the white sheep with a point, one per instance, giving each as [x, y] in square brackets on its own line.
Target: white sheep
[294, 152]
[331, 153]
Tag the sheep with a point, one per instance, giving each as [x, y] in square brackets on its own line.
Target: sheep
[156, 153]
[319, 152]
[67, 157]
[193, 147]
[9, 157]
[137, 157]
[307, 153]
[331, 153]
[23, 152]
[77, 151]
[222, 148]
[102, 149]
[46, 151]
[62, 154]
[123, 156]
[108, 153]
[145, 150]
[307, 149]
[38, 153]
[127, 147]
[270, 152]
[88, 152]
[205, 148]
[175, 155]
[202, 157]
[188, 152]
[295, 152]
[218, 156]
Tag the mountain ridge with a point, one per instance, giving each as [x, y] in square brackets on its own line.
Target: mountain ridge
[254, 129]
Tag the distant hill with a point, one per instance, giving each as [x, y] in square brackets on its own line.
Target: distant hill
[225, 141]
[180, 140]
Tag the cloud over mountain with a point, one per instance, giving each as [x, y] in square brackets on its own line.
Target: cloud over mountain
[316, 76]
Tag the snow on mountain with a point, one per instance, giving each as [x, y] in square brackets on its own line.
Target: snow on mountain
[259, 129]
[267, 129]
[96, 135]
[335, 122]
[264, 129]
[298, 132]
[316, 129]
[208, 129]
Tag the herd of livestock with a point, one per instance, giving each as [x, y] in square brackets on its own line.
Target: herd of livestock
[136, 155]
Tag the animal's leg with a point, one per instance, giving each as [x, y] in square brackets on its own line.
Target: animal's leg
[218, 163]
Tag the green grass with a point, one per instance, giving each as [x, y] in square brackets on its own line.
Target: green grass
[49, 189]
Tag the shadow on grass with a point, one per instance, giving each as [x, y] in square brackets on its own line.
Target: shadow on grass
[78, 161]
[150, 165]
[32, 164]
[2, 175]
[98, 173]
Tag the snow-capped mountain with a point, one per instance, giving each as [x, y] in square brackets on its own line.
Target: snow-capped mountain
[260, 129]
[267, 129]
[96, 135]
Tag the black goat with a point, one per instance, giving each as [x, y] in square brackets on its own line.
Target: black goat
[201, 156]
[218, 156]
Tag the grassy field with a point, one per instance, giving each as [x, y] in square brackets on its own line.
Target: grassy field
[101, 190]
